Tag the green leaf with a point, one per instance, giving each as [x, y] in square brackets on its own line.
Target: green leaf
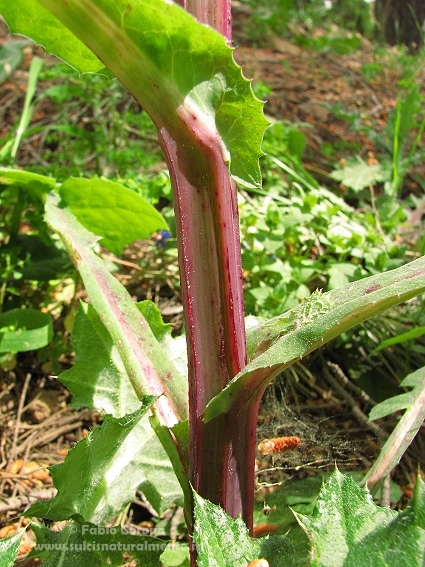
[359, 175]
[347, 529]
[112, 211]
[9, 547]
[175, 556]
[153, 316]
[36, 22]
[406, 429]
[415, 380]
[80, 545]
[219, 539]
[34, 184]
[148, 369]
[180, 71]
[22, 330]
[98, 378]
[279, 342]
[224, 541]
[402, 338]
[102, 472]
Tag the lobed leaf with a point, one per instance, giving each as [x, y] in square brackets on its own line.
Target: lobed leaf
[179, 70]
[279, 342]
[359, 175]
[219, 538]
[347, 529]
[101, 473]
[9, 547]
[222, 541]
[148, 368]
[81, 544]
[98, 378]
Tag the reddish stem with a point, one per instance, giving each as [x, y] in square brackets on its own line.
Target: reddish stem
[205, 202]
[215, 13]
[211, 276]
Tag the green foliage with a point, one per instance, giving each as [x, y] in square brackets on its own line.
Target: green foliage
[10, 149]
[93, 383]
[148, 370]
[345, 529]
[276, 344]
[111, 210]
[348, 529]
[80, 544]
[163, 55]
[408, 117]
[358, 175]
[416, 381]
[406, 429]
[299, 238]
[101, 473]
[401, 141]
[402, 338]
[27, 254]
[105, 135]
[9, 549]
[153, 316]
[225, 541]
[24, 329]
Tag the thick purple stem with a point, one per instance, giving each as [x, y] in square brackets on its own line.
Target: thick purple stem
[211, 275]
[216, 14]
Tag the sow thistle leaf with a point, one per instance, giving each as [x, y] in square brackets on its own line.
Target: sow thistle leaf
[9, 547]
[101, 473]
[30, 18]
[148, 369]
[110, 210]
[279, 342]
[347, 529]
[98, 378]
[153, 316]
[79, 545]
[179, 70]
[222, 541]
